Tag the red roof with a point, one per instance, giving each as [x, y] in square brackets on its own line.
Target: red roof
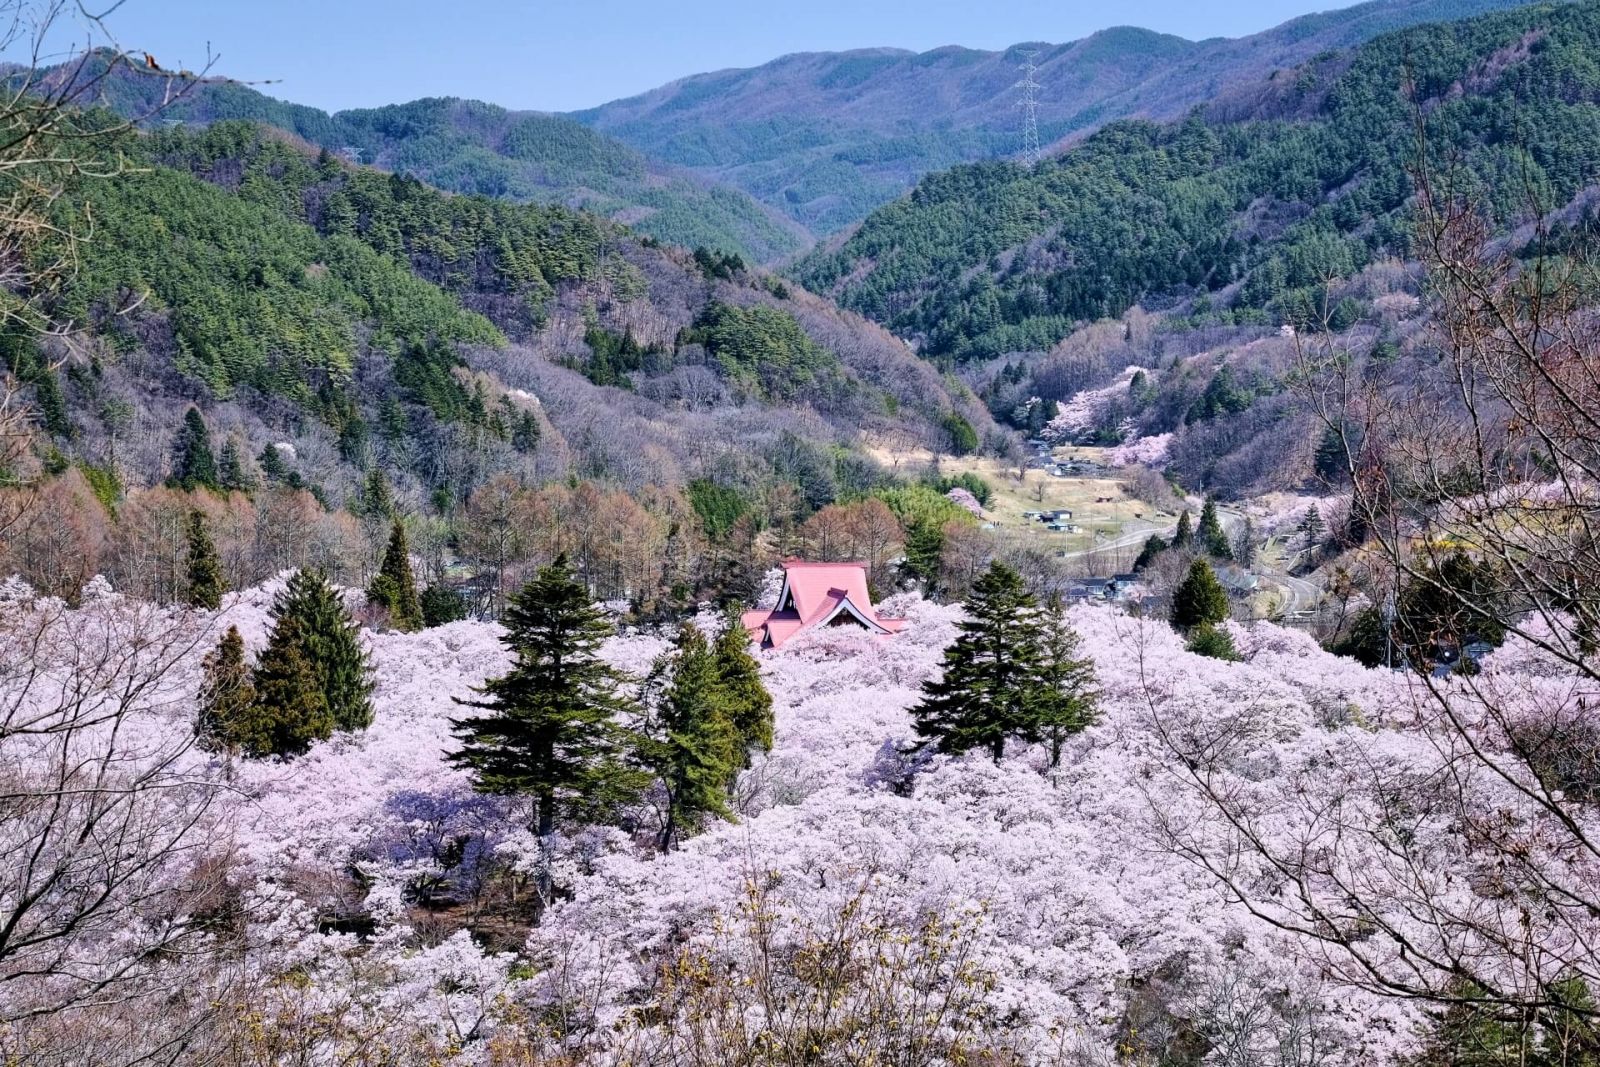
[818, 594]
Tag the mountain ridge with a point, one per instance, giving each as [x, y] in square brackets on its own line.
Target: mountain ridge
[827, 136]
[474, 147]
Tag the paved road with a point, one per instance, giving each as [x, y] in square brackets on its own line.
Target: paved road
[1299, 594]
[1304, 595]
[1124, 541]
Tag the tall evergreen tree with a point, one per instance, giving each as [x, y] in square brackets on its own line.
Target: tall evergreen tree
[694, 745]
[924, 551]
[1331, 462]
[1183, 536]
[1063, 699]
[1199, 599]
[552, 729]
[749, 703]
[193, 464]
[231, 474]
[289, 711]
[393, 586]
[1312, 528]
[990, 672]
[1154, 545]
[1213, 538]
[227, 696]
[331, 644]
[51, 403]
[377, 499]
[272, 465]
[206, 585]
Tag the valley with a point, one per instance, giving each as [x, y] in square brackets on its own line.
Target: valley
[767, 572]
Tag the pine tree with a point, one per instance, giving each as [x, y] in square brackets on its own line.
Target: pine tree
[989, 672]
[272, 465]
[1212, 640]
[525, 431]
[193, 465]
[289, 712]
[1154, 545]
[393, 422]
[1331, 462]
[1183, 536]
[206, 585]
[230, 468]
[393, 585]
[331, 645]
[51, 403]
[1213, 538]
[1063, 700]
[749, 703]
[551, 731]
[377, 499]
[1200, 599]
[924, 551]
[1311, 528]
[441, 604]
[227, 696]
[693, 745]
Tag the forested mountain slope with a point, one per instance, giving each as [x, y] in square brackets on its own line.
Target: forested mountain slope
[1184, 250]
[368, 321]
[1248, 206]
[468, 146]
[827, 137]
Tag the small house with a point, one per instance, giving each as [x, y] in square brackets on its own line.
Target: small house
[1089, 589]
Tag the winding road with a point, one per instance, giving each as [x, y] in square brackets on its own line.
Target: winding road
[1299, 594]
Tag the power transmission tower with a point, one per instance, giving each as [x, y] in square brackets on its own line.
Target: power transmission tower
[1030, 109]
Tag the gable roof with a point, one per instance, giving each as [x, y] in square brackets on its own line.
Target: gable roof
[817, 594]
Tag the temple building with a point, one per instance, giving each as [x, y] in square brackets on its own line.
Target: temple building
[818, 594]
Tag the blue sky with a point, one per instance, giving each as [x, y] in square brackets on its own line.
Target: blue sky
[566, 55]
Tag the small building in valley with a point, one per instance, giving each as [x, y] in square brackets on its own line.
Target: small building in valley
[815, 595]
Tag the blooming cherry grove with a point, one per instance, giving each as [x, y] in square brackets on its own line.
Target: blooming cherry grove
[1085, 897]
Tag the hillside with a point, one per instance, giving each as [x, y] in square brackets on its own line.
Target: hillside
[467, 146]
[366, 319]
[1282, 206]
[827, 137]
[1058, 913]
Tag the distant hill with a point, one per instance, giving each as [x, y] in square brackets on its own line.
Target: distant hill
[1248, 205]
[827, 137]
[1184, 249]
[467, 146]
[368, 319]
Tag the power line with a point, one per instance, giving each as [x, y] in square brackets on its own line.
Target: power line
[1030, 109]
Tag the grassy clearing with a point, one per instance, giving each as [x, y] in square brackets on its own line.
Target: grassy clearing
[1107, 515]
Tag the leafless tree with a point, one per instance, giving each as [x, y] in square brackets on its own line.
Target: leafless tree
[113, 861]
[1450, 856]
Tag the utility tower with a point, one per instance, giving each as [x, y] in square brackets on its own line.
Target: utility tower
[1030, 108]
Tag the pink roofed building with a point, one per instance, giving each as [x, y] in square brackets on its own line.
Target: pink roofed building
[819, 594]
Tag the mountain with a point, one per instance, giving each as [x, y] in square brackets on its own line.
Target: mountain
[1248, 205]
[827, 137]
[466, 146]
[366, 320]
[1184, 249]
